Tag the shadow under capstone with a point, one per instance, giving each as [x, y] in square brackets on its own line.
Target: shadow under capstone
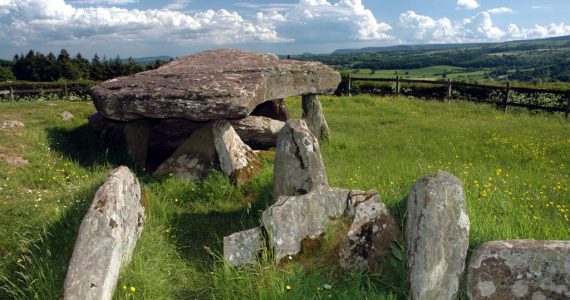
[83, 145]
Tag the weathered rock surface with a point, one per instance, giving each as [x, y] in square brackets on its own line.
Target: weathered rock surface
[258, 132]
[16, 161]
[315, 118]
[243, 247]
[273, 109]
[520, 269]
[299, 166]
[107, 237]
[237, 159]
[194, 158]
[293, 219]
[211, 85]
[66, 115]
[166, 135]
[137, 136]
[12, 124]
[369, 236]
[107, 129]
[437, 236]
[215, 145]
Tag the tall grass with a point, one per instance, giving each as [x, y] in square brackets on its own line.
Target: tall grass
[514, 168]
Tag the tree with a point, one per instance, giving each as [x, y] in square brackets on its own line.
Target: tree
[82, 66]
[67, 69]
[116, 68]
[97, 71]
[157, 63]
[132, 67]
[51, 70]
[6, 74]
[26, 67]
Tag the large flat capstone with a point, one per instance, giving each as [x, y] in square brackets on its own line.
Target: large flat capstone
[106, 239]
[211, 85]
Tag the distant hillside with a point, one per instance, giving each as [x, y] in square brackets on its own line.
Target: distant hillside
[522, 45]
[149, 59]
[529, 60]
[399, 48]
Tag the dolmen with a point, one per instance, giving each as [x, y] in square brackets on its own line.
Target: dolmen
[175, 118]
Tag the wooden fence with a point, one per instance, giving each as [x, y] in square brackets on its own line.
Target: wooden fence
[62, 89]
[506, 99]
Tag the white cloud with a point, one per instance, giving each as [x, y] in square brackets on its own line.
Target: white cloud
[104, 2]
[500, 11]
[323, 21]
[29, 22]
[539, 31]
[479, 28]
[177, 4]
[428, 30]
[467, 4]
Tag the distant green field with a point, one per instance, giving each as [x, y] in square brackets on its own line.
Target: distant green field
[430, 73]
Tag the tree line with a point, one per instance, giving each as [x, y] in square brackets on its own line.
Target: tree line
[36, 66]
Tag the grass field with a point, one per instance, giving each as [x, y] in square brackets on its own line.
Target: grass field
[430, 73]
[515, 169]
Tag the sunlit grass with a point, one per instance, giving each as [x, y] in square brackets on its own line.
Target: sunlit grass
[514, 168]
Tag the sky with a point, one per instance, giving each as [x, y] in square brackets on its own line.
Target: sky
[140, 28]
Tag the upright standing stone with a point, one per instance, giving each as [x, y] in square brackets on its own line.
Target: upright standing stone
[520, 269]
[194, 158]
[237, 160]
[298, 165]
[215, 145]
[106, 239]
[314, 116]
[437, 236]
[137, 135]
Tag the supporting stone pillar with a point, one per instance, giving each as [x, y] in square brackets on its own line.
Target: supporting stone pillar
[137, 135]
[314, 117]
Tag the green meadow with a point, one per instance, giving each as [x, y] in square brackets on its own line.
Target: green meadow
[515, 169]
[429, 73]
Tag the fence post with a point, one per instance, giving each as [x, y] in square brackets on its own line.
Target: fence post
[349, 84]
[567, 104]
[449, 89]
[398, 84]
[65, 92]
[507, 95]
[12, 97]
